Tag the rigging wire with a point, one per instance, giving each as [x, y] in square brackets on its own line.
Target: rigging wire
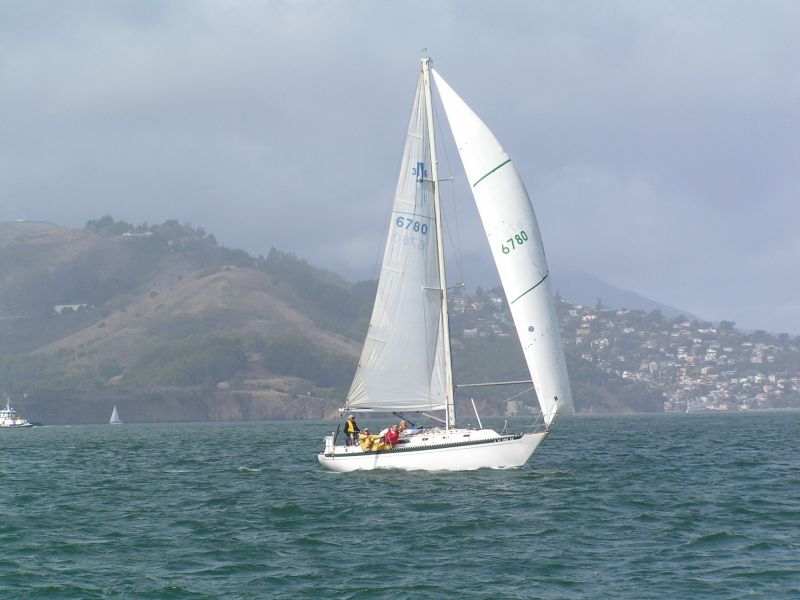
[422, 189]
[453, 238]
[525, 391]
[445, 338]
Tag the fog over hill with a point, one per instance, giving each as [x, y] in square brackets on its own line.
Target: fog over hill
[586, 289]
[658, 141]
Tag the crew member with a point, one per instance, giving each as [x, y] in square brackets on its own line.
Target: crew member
[391, 437]
[351, 431]
[368, 442]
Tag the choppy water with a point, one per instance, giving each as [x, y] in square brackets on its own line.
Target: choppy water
[683, 506]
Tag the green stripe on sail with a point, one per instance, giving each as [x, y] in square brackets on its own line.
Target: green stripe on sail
[490, 172]
[531, 288]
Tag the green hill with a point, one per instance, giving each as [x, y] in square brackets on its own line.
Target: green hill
[130, 314]
[168, 325]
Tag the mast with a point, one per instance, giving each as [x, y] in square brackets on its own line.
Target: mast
[450, 410]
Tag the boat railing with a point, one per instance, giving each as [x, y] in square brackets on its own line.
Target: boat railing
[537, 425]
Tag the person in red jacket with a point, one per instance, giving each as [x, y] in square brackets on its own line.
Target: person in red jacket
[391, 437]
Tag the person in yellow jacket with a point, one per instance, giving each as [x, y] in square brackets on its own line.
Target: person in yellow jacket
[369, 442]
[351, 431]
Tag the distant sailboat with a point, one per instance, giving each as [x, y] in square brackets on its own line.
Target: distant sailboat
[405, 363]
[115, 420]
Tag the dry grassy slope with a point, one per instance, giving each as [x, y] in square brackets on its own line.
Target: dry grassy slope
[36, 236]
[42, 265]
[232, 299]
[32, 249]
[145, 293]
[168, 295]
[29, 246]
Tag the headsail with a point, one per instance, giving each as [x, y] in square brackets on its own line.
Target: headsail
[401, 364]
[513, 234]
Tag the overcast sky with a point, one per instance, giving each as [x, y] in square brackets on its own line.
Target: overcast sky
[660, 141]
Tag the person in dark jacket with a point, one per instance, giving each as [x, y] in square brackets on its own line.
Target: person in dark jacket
[351, 431]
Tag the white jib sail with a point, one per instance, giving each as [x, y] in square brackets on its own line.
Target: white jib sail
[513, 233]
[400, 367]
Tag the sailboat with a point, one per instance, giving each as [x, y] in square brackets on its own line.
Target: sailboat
[115, 420]
[405, 364]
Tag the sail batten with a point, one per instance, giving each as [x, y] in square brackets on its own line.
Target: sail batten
[503, 164]
[530, 289]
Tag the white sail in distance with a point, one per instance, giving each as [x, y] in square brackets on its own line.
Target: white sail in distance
[513, 234]
[401, 365]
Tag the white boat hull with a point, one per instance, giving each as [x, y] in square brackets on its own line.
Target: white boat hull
[442, 452]
[9, 418]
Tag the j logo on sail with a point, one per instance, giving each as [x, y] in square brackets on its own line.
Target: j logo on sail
[419, 171]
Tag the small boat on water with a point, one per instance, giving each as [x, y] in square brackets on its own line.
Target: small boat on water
[115, 420]
[9, 417]
[405, 363]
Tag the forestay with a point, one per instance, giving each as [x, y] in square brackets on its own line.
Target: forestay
[513, 233]
[401, 364]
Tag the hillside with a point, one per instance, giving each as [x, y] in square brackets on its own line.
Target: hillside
[586, 289]
[168, 325]
[138, 315]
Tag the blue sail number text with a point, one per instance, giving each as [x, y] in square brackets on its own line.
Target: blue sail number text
[411, 224]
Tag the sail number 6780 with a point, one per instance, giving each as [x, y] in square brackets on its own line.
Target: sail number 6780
[514, 241]
[416, 226]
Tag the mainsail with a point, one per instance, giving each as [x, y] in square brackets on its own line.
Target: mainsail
[513, 234]
[401, 365]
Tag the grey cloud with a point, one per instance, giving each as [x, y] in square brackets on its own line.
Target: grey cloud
[658, 140]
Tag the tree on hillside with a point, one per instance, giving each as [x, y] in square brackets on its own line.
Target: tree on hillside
[106, 226]
[199, 359]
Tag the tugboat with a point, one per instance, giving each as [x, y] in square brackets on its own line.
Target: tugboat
[9, 418]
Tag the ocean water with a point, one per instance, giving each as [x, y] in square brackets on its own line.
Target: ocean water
[666, 506]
